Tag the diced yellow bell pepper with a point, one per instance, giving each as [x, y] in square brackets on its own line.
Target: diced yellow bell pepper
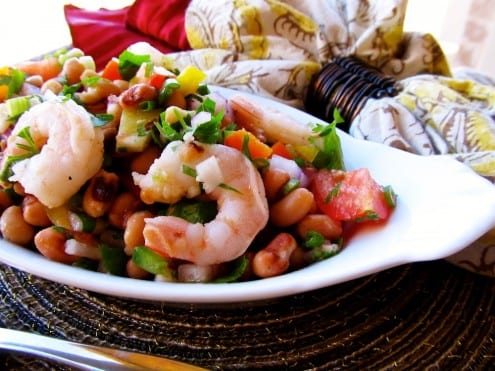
[189, 80]
[307, 152]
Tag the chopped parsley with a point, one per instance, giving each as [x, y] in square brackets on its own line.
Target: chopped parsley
[330, 154]
[334, 192]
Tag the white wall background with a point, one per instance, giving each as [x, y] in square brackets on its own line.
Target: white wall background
[464, 28]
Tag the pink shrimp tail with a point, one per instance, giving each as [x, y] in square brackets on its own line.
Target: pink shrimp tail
[168, 235]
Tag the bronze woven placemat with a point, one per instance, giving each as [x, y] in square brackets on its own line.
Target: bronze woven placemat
[419, 316]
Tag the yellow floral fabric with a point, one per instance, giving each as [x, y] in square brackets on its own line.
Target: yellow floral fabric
[274, 47]
[436, 115]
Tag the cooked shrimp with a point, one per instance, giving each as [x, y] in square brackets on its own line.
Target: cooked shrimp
[229, 178]
[47, 68]
[70, 151]
[268, 123]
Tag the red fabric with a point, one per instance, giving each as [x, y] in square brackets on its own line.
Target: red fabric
[162, 20]
[103, 33]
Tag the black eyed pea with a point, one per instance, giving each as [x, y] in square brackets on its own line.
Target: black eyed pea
[274, 259]
[14, 228]
[292, 208]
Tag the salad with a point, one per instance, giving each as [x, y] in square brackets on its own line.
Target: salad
[146, 172]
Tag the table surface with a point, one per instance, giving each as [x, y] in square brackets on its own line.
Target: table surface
[421, 315]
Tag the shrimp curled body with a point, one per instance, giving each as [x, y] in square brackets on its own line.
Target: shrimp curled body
[70, 151]
[238, 191]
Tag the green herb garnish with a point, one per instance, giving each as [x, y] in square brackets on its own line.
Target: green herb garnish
[167, 89]
[129, 63]
[189, 171]
[113, 259]
[330, 154]
[101, 119]
[334, 192]
[292, 184]
[240, 266]
[151, 261]
[368, 216]
[313, 239]
[194, 211]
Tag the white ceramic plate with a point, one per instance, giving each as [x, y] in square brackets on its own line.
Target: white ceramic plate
[443, 206]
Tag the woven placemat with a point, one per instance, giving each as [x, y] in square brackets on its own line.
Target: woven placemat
[418, 316]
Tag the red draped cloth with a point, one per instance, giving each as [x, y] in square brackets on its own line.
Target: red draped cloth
[105, 33]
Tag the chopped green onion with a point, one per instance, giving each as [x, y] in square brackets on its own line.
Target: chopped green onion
[292, 184]
[229, 188]
[324, 251]
[240, 266]
[26, 134]
[101, 119]
[209, 132]
[151, 261]
[300, 162]
[62, 230]
[141, 130]
[91, 80]
[181, 119]
[69, 90]
[194, 212]
[333, 192]
[167, 89]
[113, 259]
[207, 105]
[245, 147]
[203, 89]
[189, 171]
[149, 67]
[30, 149]
[82, 222]
[147, 105]
[368, 215]
[165, 129]
[18, 105]
[313, 239]
[129, 63]
[260, 163]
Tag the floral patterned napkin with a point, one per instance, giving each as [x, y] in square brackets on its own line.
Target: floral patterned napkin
[273, 48]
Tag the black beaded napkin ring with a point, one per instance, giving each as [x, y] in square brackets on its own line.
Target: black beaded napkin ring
[346, 83]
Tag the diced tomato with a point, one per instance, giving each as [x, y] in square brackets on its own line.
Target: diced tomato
[111, 70]
[350, 196]
[157, 80]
